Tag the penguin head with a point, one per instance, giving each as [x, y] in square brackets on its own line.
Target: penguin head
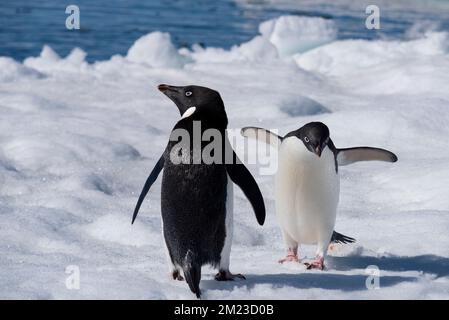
[195, 99]
[315, 136]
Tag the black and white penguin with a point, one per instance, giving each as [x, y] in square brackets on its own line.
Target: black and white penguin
[197, 194]
[308, 185]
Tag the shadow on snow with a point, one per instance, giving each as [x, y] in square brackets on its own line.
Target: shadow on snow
[430, 264]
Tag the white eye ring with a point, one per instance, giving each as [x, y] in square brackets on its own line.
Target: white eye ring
[188, 93]
[306, 139]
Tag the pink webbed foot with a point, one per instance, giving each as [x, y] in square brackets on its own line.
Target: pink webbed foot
[226, 275]
[291, 256]
[318, 263]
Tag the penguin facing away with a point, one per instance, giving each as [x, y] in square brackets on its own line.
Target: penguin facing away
[197, 197]
[308, 185]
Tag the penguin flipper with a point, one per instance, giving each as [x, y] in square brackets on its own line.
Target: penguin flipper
[350, 155]
[262, 135]
[150, 180]
[241, 176]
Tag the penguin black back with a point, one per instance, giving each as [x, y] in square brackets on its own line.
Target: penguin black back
[195, 193]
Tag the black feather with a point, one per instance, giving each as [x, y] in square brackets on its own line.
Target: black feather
[150, 180]
[192, 273]
[241, 176]
[341, 238]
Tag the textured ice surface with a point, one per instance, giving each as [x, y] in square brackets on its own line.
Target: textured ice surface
[78, 140]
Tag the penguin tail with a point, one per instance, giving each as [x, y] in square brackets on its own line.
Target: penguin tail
[341, 238]
[192, 273]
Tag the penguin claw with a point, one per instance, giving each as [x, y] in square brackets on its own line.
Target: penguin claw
[177, 276]
[310, 266]
[318, 263]
[228, 276]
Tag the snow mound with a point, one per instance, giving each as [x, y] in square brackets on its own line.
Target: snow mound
[257, 49]
[11, 70]
[349, 56]
[382, 66]
[50, 62]
[302, 106]
[32, 153]
[293, 34]
[280, 37]
[421, 28]
[156, 50]
[118, 229]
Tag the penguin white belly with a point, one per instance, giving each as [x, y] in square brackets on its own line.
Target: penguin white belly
[307, 192]
[229, 224]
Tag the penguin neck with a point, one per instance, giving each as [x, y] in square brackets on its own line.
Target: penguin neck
[208, 120]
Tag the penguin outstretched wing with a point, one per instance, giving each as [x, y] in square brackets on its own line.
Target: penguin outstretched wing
[343, 156]
[241, 176]
[350, 155]
[262, 135]
[150, 180]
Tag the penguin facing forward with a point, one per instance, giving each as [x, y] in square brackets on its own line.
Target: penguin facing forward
[308, 185]
[197, 195]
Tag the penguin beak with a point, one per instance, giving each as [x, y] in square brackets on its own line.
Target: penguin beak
[163, 87]
[166, 89]
[318, 151]
[174, 94]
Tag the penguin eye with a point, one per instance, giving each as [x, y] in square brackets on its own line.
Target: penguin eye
[306, 139]
[188, 93]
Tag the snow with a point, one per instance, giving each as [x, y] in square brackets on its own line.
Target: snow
[78, 140]
[156, 50]
[12, 70]
[49, 61]
[292, 34]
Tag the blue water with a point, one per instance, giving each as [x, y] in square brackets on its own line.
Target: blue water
[111, 26]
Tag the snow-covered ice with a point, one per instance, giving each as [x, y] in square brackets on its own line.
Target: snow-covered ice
[292, 34]
[78, 140]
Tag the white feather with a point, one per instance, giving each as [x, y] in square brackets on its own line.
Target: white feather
[262, 135]
[229, 223]
[307, 193]
[188, 112]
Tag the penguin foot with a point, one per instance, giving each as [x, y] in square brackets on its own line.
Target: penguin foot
[223, 275]
[289, 258]
[318, 263]
[177, 276]
[292, 256]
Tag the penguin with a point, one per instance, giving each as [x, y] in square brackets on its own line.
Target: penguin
[307, 185]
[197, 195]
